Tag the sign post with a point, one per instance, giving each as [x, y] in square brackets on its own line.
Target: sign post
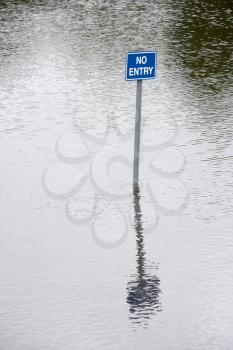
[139, 66]
[137, 132]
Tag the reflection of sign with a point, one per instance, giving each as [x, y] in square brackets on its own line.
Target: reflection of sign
[141, 65]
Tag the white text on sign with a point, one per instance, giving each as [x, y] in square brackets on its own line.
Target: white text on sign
[140, 71]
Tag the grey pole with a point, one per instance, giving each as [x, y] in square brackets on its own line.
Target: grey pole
[137, 133]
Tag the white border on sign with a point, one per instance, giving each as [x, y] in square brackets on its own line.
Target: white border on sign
[140, 52]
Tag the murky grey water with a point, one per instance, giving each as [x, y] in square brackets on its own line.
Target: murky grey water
[85, 264]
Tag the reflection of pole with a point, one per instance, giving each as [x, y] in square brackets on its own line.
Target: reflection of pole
[139, 233]
[137, 132]
[143, 288]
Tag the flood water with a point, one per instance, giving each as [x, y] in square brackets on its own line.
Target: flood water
[86, 263]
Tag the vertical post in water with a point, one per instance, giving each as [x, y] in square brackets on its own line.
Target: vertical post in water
[137, 133]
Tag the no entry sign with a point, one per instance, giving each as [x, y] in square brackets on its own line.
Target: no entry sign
[141, 65]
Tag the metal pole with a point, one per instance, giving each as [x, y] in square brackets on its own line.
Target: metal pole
[137, 133]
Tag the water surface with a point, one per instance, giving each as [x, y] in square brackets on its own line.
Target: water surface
[85, 262]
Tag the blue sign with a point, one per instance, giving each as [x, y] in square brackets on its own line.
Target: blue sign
[141, 65]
